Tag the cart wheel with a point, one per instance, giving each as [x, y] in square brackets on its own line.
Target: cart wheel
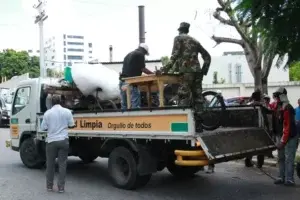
[214, 110]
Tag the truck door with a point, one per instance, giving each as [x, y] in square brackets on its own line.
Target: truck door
[21, 116]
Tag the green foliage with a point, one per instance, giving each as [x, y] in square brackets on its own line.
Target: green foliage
[277, 21]
[165, 60]
[15, 63]
[215, 79]
[294, 71]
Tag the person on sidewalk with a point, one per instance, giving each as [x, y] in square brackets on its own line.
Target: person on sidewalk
[56, 122]
[255, 100]
[287, 143]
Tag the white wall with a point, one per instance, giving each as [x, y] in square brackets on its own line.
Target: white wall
[220, 64]
[232, 90]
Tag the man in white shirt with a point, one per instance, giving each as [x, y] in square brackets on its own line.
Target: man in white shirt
[56, 122]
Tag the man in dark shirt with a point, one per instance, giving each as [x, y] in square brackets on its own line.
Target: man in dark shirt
[133, 65]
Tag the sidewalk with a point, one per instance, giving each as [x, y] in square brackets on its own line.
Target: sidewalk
[273, 161]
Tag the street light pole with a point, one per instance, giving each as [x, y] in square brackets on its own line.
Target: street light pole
[40, 21]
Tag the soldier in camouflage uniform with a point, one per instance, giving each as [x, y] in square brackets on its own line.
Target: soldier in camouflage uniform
[184, 60]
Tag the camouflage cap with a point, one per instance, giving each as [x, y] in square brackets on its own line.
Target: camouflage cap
[184, 25]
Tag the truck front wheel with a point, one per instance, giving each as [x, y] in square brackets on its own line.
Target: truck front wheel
[29, 154]
[122, 168]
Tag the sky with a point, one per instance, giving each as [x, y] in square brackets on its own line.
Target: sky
[114, 22]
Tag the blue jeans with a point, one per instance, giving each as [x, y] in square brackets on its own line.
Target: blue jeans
[135, 97]
[286, 159]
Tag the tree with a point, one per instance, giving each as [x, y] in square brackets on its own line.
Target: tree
[54, 73]
[215, 78]
[259, 60]
[14, 63]
[294, 71]
[165, 60]
[278, 21]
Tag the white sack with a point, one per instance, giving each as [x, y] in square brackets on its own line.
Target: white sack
[89, 77]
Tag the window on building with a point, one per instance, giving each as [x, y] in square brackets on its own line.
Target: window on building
[65, 50]
[238, 72]
[76, 50]
[29, 51]
[90, 51]
[75, 36]
[53, 57]
[64, 36]
[65, 63]
[65, 57]
[64, 43]
[75, 57]
[90, 45]
[52, 64]
[230, 73]
[75, 43]
[38, 51]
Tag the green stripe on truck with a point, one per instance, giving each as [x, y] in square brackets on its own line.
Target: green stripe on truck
[14, 121]
[179, 127]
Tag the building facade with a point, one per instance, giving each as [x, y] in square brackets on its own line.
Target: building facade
[64, 49]
[232, 67]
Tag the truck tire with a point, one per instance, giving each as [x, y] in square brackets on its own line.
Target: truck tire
[88, 158]
[29, 155]
[122, 167]
[181, 171]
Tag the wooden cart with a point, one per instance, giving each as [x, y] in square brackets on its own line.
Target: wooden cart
[148, 84]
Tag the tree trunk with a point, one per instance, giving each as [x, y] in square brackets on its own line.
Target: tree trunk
[257, 79]
[264, 82]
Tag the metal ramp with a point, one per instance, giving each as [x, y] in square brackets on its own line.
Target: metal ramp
[243, 133]
[227, 144]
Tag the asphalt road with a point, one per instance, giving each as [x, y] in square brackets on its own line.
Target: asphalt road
[91, 182]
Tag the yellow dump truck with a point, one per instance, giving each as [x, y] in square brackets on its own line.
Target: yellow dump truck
[137, 142]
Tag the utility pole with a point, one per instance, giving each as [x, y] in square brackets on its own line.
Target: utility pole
[110, 53]
[39, 19]
[142, 32]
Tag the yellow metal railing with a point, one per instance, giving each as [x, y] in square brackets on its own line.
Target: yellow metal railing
[191, 157]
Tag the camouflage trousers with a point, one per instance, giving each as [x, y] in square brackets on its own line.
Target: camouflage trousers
[190, 91]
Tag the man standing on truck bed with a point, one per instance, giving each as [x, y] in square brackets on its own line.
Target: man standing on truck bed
[56, 122]
[184, 60]
[133, 65]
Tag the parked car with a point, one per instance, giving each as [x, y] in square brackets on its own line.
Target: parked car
[5, 111]
[236, 101]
